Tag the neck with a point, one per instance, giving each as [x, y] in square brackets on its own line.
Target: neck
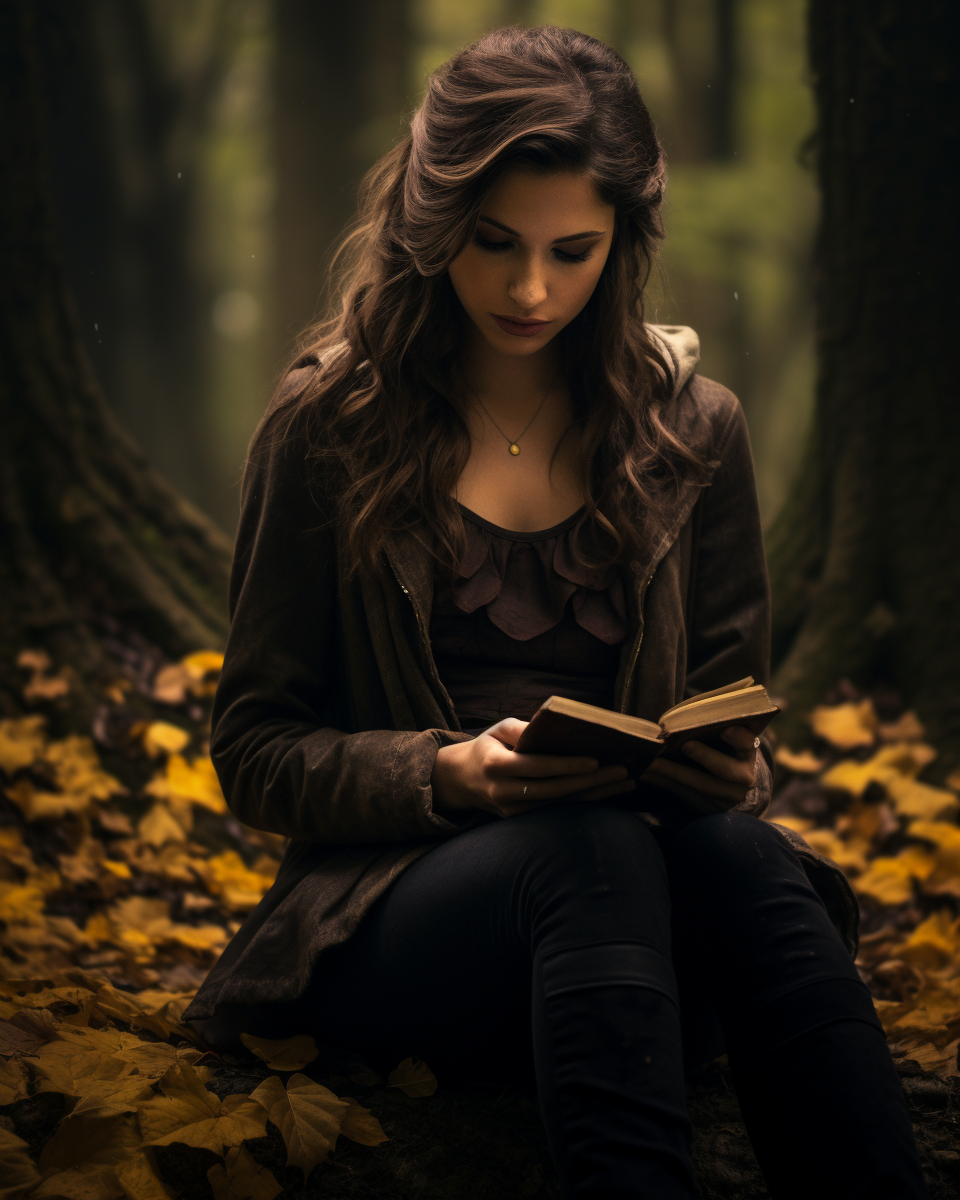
[508, 383]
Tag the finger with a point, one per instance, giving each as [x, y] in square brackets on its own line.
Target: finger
[741, 738]
[595, 793]
[724, 766]
[665, 772]
[507, 731]
[556, 787]
[536, 766]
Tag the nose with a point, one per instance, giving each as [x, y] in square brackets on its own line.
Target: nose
[528, 288]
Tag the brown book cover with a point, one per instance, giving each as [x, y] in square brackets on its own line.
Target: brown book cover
[562, 726]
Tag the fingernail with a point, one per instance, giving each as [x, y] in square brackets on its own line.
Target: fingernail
[689, 748]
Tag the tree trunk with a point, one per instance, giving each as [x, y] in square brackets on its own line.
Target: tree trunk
[94, 541]
[125, 128]
[340, 88]
[863, 555]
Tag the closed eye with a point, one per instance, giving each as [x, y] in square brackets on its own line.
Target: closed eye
[564, 256]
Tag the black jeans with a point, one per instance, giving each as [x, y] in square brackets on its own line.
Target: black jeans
[609, 957]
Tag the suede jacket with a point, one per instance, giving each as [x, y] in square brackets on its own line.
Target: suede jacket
[330, 710]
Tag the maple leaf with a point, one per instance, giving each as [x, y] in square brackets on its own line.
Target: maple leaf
[413, 1077]
[189, 1113]
[241, 1177]
[228, 876]
[282, 1054]
[308, 1116]
[17, 1170]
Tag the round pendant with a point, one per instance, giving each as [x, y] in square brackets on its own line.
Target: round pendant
[514, 448]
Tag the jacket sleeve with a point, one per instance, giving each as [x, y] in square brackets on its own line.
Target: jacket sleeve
[282, 764]
[728, 634]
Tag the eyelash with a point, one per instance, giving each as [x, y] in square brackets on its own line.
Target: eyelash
[497, 247]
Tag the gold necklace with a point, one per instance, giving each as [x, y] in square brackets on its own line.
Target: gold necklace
[512, 442]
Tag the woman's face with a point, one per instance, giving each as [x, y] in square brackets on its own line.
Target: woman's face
[540, 245]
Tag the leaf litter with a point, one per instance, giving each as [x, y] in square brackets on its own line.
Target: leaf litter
[123, 876]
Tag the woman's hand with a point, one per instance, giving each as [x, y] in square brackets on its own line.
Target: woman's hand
[728, 777]
[488, 774]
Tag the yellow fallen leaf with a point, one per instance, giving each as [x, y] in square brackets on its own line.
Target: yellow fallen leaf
[13, 1081]
[160, 737]
[97, 1141]
[930, 1057]
[171, 683]
[360, 1125]
[907, 728]
[74, 1068]
[889, 763]
[159, 826]
[228, 876]
[914, 799]
[21, 902]
[78, 771]
[803, 762]
[190, 1114]
[799, 824]
[195, 782]
[413, 1077]
[934, 1013]
[308, 1116]
[202, 662]
[17, 1169]
[241, 1177]
[846, 725]
[849, 856]
[282, 1054]
[890, 880]
[81, 1183]
[934, 943]
[22, 740]
[139, 1180]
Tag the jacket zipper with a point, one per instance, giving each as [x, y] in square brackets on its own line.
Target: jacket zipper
[426, 640]
[637, 644]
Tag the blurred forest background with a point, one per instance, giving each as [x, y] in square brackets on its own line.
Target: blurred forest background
[205, 156]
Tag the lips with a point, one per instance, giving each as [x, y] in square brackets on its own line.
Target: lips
[520, 328]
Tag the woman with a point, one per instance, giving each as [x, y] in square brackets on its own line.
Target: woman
[487, 481]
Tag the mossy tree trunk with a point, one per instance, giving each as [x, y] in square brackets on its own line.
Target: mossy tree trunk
[863, 556]
[92, 540]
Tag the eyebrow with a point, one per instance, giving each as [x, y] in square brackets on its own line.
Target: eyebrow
[571, 237]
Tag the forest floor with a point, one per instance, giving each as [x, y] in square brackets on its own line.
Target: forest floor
[123, 876]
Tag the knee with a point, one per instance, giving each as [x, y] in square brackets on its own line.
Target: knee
[589, 843]
[725, 843]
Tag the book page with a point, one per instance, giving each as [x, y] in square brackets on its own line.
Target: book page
[721, 691]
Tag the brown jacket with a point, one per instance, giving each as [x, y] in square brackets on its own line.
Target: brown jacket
[330, 711]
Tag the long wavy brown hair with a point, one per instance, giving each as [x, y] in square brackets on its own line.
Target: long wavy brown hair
[387, 397]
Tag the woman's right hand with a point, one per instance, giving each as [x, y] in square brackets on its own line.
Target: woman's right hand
[487, 773]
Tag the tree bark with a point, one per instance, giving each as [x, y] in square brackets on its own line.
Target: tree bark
[125, 128]
[340, 88]
[863, 556]
[92, 537]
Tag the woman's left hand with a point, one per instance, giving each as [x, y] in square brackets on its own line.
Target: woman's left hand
[728, 777]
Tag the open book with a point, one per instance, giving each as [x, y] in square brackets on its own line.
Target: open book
[561, 726]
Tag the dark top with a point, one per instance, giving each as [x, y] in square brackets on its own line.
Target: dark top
[525, 620]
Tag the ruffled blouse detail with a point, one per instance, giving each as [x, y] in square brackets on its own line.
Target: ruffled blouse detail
[524, 581]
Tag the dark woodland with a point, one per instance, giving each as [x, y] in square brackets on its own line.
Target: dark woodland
[123, 873]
